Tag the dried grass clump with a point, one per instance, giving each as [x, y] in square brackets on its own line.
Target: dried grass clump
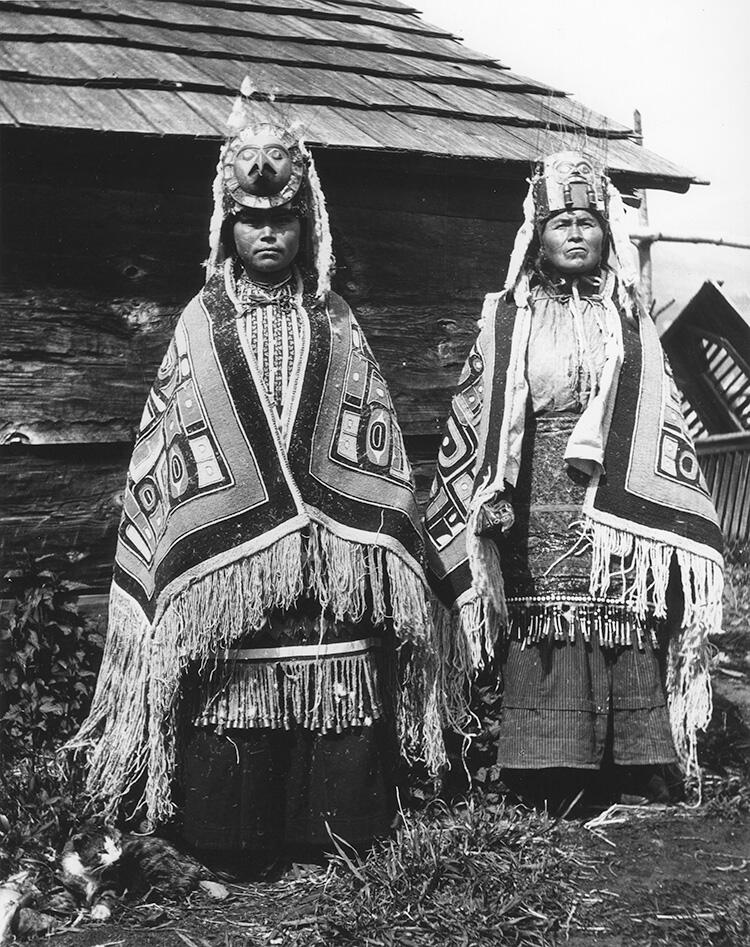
[736, 623]
[489, 873]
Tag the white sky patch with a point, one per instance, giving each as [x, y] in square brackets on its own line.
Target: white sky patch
[684, 64]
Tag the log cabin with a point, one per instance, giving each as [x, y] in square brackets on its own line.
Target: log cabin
[110, 120]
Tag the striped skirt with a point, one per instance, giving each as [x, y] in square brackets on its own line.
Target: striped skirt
[580, 676]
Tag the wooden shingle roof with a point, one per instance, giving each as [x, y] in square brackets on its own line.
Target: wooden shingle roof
[364, 74]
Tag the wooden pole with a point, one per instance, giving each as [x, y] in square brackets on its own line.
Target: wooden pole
[652, 236]
[644, 246]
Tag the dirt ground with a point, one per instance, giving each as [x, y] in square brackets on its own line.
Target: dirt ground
[674, 876]
[671, 878]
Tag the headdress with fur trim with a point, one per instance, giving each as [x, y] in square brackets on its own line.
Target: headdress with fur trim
[265, 165]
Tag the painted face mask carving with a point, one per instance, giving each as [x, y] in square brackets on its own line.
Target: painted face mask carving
[262, 167]
[574, 176]
[569, 180]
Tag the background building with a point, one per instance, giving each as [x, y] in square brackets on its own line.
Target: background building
[110, 118]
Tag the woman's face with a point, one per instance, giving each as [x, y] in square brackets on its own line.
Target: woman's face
[267, 243]
[572, 242]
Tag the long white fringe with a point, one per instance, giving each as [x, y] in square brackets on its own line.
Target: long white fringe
[522, 242]
[113, 733]
[464, 641]
[217, 217]
[484, 562]
[322, 242]
[415, 690]
[645, 584]
[131, 730]
[689, 693]
[325, 695]
[643, 567]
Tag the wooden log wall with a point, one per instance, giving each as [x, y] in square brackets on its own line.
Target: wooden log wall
[101, 240]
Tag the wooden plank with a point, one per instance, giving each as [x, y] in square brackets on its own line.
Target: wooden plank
[626, 156]
[421, 351]
[733, 498]
[384, 5]
[128, 111]
[6, 117]
[384, 62]
[52, 106]
[256, 23]
[30, 25]
[63, 500]
[73, 371]
[327, 9]
[287, 81]
[739, 525]
[323, 125]
[86, 61]
[146, 248]
[538, 109]
[550, 108]
[127, 66]
[446, 136]
[318, 10]
[171, 114]
[142, 242]
[385, 186]
[156, 111]
[59, 500]
[76, 368]
[42, 105]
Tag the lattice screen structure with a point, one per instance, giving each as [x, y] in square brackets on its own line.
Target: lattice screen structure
[709, 347]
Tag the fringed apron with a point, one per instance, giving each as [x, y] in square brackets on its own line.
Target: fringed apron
[575, 670]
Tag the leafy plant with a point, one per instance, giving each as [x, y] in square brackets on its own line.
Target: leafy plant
[49, 656]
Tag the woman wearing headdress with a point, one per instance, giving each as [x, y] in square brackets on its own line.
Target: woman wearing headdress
[269, 554]
[569, 525]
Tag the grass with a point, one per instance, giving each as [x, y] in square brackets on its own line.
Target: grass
[735, 640]
[474, 874]
[481, 873]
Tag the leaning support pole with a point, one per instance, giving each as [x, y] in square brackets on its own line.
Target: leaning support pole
[644, 246]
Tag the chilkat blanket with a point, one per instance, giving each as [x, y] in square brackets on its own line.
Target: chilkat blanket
[648, 504]
[231, 512]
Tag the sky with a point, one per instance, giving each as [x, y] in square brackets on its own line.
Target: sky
[684, 64]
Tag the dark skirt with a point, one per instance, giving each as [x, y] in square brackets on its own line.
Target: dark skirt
[568, 698]
[265, 791]
[566, 703]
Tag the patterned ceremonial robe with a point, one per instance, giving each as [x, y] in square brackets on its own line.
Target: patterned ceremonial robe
[608, 498]
[235, 513]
